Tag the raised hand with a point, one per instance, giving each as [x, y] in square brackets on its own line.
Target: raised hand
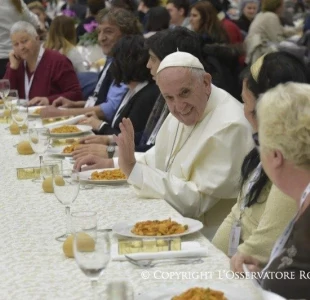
[126, 147]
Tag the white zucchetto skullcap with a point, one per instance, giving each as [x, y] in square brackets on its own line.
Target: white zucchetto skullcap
[180, 59]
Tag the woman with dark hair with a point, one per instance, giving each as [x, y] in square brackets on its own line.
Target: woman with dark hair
[129, 67]
[204, 21]
[262, 211]
[159, 19]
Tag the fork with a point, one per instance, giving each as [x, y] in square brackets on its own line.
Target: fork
[149, 263]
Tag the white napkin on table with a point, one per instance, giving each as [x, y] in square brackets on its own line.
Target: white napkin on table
[70, 121]
[188, 249]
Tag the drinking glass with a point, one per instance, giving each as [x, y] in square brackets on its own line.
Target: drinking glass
[9, 100]
[66, 188]
[50, 167]
[4, 88]
[19, 112]
[91, 248]
[39, 140]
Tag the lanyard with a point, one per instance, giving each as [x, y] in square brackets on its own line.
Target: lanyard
[252, 181]
[152, 138]
[28, 82]
[283, 239]
[102, 77]
[126, 99]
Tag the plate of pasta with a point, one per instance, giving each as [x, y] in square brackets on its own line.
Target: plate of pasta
[103, 176]
[210, 290]
[63, 151]
[69, 130]
[164, 227]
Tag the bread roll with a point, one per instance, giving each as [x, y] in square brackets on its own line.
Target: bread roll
[47, 185]
[24, 148]
[86, 244]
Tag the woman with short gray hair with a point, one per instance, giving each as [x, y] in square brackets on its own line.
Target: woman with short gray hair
[12, 11]
[40, 75]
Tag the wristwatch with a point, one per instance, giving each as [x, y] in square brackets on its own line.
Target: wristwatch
[110, 151]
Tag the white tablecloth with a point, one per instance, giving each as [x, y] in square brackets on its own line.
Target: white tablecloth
[32, 264]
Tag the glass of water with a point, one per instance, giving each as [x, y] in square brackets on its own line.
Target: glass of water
[91, 248]
[19, 112]
[4, 88]
[66, 186]
[50, 167]
[39, 140]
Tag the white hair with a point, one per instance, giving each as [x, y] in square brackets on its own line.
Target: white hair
[24, 27]
[284, 122]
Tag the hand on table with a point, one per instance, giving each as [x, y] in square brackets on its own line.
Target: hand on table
[38, 101]
[92, 120]
[96, 139]
[126, 146]
[63, 102]
[93, 162]
[50, 112]
[239, 259]
[95, 149]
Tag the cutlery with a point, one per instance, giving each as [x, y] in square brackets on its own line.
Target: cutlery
[104, 230]
[150, 263]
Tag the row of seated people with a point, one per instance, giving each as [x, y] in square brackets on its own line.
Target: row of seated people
[200, 147]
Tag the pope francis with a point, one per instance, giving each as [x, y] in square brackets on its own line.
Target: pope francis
[196, 161]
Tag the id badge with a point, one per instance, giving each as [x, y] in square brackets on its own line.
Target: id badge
[234, 239]
[91, 101]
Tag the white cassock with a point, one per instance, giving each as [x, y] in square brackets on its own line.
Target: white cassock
[205, 161]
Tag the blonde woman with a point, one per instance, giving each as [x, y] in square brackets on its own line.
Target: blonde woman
[62, 38]
[12, 11]
[284, 137]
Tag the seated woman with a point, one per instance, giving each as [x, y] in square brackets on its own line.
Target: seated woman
[261, 211]
[265, 30]
[204, 21]
[248, 11]
[62, 38]
[284, 138]
[39, 75]
[129, 67]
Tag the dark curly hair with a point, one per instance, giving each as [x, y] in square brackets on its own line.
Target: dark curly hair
[124, 19]
[129, 60]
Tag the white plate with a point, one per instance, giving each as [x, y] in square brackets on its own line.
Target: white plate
[230, 292]
[85, 177]
[83, 128]
[58, 152]
[32, 109]
[124, 228]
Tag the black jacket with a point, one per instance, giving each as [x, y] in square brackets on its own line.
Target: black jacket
[137, 110]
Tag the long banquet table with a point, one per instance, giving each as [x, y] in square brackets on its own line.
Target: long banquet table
[32, 264]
